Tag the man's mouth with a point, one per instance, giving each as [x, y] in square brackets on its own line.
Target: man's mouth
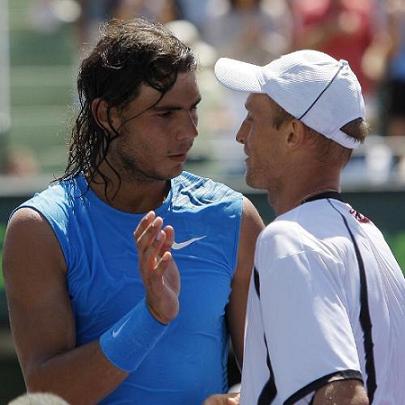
[181, 156]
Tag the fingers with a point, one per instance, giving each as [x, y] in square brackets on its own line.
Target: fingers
[153, 242]
[144, 223]
[215, 400]
[161, 266]
[166, 246]
[153, 252]
[148, 231]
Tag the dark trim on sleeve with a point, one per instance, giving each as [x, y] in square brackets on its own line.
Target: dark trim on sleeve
[365, 319]
[320, 382]
[269, 390]
[257, 281]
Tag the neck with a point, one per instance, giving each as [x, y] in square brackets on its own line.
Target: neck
[293, 192]
[320, 194]
[132, 196]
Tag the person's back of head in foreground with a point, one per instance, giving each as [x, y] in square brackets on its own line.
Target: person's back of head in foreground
[38, 398]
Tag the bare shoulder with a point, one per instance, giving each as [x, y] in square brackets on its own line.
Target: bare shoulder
[28, 235]
[32, 258]
[26, 219]
[252, 223]
[25, 223]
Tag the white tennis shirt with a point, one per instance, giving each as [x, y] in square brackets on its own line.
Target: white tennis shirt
[326, 302]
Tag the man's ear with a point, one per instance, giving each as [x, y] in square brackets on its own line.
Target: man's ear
[296, 133]
[99, 109]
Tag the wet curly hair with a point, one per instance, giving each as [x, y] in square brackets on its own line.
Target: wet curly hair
[129, 54]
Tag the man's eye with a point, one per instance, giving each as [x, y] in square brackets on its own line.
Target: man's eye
[166, 114]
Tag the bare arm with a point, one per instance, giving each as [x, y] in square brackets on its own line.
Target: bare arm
[345, 392]
[41, 317]
[251, 226]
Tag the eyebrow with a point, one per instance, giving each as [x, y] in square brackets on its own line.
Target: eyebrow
[174, 107]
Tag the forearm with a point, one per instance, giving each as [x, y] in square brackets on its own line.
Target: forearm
[348, 392]
[76, 374]
[80, 376]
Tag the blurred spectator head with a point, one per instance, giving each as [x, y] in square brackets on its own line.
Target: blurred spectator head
[188, 33]
[21, 162]
[245, 4]
[162, 11]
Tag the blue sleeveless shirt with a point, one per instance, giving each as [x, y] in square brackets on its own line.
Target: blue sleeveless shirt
[190, 361]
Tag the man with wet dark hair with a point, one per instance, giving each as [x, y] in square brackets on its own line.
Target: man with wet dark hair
[95, 319]
[130, 56]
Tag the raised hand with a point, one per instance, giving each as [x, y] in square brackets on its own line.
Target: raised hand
[158, 269]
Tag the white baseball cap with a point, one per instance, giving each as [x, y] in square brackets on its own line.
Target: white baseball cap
[315, 88]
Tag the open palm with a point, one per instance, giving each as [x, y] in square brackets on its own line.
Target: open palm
[158, 269]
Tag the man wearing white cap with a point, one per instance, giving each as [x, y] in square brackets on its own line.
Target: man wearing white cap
[326, 311]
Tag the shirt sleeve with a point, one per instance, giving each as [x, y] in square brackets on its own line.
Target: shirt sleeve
[307, 326]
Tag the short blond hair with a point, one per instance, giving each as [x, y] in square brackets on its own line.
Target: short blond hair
[357, 129]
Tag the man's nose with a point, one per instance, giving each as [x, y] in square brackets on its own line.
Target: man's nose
[242, 133]
[188, 128]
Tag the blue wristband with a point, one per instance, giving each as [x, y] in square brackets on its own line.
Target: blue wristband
[129, 341]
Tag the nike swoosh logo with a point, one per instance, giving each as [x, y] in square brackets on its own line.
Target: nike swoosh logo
[182, 245]
[115, 333]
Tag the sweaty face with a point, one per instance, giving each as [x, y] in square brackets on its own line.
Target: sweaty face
[262, 143]
[154, 141]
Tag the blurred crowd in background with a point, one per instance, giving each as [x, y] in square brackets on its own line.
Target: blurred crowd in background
[370, 34]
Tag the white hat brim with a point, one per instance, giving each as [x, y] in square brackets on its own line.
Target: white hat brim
[240, 76]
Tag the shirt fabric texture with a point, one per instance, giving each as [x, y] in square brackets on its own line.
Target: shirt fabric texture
[306, 307]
